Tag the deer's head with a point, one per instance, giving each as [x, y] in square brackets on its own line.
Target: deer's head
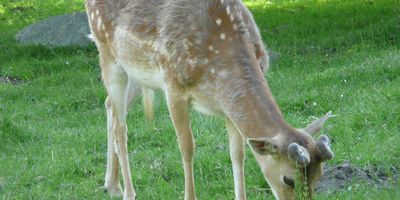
[293, 161]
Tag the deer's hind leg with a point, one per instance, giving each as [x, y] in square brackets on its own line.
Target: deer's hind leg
[119, 89]
[112, 184]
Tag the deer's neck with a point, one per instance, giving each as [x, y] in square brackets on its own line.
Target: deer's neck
[249, 104]
[255, 114]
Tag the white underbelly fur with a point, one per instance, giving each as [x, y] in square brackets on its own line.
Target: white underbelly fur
[142, 69]
[154, 78]
[137, 57]
[148, 77]
[202, 108]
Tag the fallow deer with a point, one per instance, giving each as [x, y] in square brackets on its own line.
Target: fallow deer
[205, 54]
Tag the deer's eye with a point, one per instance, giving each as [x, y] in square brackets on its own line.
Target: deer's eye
[288, 181]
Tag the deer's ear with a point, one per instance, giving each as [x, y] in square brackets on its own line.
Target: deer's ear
[263, 146]
[316, 125]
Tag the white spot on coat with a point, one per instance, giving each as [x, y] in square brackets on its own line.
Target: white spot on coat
[218, 21]
[223, 74]
[203, 61]
[99, 23]
[222, 36]
[107, 38]
[231, 17]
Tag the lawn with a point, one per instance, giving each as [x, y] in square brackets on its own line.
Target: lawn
[333, 55]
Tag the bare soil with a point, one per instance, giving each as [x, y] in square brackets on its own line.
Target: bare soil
[10, 80]
[340, 177]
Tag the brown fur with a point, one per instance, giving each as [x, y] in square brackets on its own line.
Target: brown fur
[202, 53]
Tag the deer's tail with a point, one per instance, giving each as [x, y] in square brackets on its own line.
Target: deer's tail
[148, 97]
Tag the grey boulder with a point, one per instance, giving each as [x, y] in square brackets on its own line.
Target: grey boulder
[64, 30]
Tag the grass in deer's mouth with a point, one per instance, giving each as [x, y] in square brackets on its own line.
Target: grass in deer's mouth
[330, 55]
[300, 184]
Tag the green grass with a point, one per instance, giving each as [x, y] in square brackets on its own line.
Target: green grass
[332, 55]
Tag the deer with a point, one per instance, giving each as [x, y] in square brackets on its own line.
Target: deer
[207, 55]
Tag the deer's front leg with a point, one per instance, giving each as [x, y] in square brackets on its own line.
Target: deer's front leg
[237, 153]
[178, 109]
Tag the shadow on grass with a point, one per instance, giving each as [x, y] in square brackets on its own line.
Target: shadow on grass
[11, 133]
[298, 27]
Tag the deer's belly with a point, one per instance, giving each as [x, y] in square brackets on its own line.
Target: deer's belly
[202, 102]
[204, 108]
[138, 57]
[149, 77]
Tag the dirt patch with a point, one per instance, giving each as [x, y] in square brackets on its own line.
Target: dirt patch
[10, 80]
[339, 177]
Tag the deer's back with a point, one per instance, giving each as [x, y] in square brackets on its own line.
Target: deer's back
[191, 41]
[153, 34]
